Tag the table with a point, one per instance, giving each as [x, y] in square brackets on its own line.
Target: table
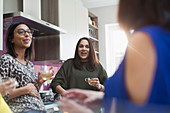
[52, 108]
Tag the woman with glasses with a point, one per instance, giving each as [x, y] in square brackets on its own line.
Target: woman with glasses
[15, 64]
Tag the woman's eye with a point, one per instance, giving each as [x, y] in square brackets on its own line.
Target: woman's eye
[21, 31]
[81, 46]
[87, 46]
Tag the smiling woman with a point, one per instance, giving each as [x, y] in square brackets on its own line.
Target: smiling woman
[83, 50]
[15, 64]
[73, 72]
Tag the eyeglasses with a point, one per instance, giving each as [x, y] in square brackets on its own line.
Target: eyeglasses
[22, 32]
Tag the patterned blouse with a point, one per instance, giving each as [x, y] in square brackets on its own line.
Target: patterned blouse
[23, 74]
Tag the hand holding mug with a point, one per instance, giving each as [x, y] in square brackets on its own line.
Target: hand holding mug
[93, 82]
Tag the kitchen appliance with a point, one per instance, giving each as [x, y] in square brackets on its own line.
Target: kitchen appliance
[40, 27]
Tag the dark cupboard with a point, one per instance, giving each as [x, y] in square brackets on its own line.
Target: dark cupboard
[48, 47]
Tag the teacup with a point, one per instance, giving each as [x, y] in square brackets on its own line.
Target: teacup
[89, 80]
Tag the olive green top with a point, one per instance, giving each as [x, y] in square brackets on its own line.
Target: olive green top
[69, 77]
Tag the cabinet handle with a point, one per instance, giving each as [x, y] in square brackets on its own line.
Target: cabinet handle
[48, 24]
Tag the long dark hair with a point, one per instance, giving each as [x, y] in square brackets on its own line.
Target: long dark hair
[92, 58]
[29, 53]
[134, 14]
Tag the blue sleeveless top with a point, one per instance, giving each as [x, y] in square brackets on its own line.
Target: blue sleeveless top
[160, 94]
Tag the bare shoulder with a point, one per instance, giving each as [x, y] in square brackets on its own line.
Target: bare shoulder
[140, 40]
[140, 65]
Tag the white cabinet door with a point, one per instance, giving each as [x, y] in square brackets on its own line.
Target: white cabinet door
[81, 21]
[10, 6]
[33, 10]
[72, 18]
[67, 22]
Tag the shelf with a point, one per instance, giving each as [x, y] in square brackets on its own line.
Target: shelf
[97, 52]
[94, 39]
[93, 32]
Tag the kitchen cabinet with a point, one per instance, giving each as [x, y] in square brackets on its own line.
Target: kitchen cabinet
[73, 17]
[6, 6]
[49, 11]
[93, 31]
[69, 15]
[32, 7]
[48, 47]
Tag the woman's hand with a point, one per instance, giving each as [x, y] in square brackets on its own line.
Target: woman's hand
[96, 83]
[89, 98]
[31, 90]
[40, 80]
[72, 106]
[7, 87]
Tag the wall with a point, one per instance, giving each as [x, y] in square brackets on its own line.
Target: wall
[1, 25]
[106, 15]
[73, 17]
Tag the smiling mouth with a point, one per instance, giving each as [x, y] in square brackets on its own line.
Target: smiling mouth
[26, 40]
[83, 53]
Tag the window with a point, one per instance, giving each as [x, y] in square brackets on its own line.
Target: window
[116, 43]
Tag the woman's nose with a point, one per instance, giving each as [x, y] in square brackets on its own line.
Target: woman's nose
[84, 47]
[26, 34]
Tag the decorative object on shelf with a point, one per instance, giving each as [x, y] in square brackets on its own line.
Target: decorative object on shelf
[94, 23]
[90, 21]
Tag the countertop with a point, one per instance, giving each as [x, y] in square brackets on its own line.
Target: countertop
[52, 108]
